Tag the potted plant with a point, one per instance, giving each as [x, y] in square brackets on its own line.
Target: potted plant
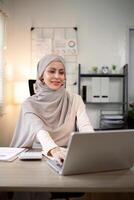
[114, 68]
[95, 69]
[130, 117]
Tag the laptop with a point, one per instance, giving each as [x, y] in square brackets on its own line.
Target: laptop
[96, 152]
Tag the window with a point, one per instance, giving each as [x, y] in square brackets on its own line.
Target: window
[2, 43]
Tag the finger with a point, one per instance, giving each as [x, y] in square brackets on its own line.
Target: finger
[60, 158]
[63, 149]
[59, 161]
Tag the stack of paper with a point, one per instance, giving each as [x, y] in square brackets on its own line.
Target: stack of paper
[111, 120]
[9, 153]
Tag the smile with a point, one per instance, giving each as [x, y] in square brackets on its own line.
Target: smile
[55, 82]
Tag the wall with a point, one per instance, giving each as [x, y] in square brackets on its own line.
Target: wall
[102, 32]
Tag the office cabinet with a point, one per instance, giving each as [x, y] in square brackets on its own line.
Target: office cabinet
[100, 89]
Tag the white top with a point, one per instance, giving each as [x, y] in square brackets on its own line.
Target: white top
[49, 141]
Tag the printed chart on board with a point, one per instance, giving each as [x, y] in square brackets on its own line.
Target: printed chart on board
[61, 41]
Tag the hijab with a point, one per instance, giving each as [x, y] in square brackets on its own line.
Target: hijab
[51, 108]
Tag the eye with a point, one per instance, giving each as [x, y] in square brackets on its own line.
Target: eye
[61, 72]
[51, 71]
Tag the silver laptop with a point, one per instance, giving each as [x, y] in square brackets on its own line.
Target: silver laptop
[96, 152]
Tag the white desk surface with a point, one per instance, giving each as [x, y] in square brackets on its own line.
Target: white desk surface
[38, 176]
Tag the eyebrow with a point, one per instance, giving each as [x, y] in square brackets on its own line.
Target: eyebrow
[52, 68]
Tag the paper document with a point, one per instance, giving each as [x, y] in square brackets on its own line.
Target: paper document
[115, 117]
[9, 153]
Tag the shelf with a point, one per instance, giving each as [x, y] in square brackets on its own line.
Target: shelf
[102, 75]
[121, 103]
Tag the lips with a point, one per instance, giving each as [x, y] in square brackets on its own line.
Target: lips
[56, 82]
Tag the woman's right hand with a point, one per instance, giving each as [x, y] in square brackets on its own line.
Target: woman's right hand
[59, 154]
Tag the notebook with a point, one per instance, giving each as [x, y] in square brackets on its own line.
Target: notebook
[9, 153]
[97, 152]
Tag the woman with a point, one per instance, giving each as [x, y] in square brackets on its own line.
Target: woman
[49, 116]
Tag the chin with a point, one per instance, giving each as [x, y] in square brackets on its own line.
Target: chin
[55, 87]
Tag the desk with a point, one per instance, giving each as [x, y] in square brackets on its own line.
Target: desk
[38, 176]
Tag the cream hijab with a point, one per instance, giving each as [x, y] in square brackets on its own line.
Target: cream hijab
[50, 107]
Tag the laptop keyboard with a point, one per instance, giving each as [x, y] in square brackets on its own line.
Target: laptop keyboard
[55, 164]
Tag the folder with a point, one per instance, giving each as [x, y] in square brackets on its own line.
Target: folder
[105, 89]
[89, 93]
[96, 89]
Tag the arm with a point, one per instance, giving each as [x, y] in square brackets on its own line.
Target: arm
[49, 147]
[46, 141]
[27, 126]
[83, 122]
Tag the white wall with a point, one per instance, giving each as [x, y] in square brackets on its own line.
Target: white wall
[102, 33]
[102, 26]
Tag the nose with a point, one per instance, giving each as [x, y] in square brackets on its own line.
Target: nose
[57, 75]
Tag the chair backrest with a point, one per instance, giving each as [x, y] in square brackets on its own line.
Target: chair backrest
[31, 83]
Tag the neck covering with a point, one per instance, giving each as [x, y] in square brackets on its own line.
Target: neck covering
[52, 107]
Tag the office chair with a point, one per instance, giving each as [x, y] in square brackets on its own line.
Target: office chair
[55, 195]
[31, 83]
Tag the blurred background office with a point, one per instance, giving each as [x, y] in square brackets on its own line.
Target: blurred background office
[105, 36]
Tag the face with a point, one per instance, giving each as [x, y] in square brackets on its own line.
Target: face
[54, 75]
